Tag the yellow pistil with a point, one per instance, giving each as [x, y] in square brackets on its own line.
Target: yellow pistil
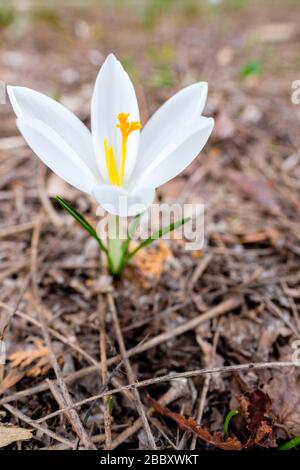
[126, 127]
[116, 176]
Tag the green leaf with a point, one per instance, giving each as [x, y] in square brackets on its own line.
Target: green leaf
[228, 418]
[251, 68]
[81, 220]
[160, 233]
[290, 444]
[133, 226]
[130, 234]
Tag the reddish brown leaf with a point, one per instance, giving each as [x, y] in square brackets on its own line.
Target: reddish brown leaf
[232, 443]
[255, 408]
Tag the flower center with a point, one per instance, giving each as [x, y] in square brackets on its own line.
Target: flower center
[115, 174]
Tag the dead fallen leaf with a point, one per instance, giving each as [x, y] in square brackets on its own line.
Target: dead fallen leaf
[151, 262]
[13, 377]
[255, 407]
[31, 362]
[10, 434]
[189, 424]
[284, 391]
[23, 359]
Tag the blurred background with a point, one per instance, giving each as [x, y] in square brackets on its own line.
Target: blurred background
[248, 177]
[248, 51]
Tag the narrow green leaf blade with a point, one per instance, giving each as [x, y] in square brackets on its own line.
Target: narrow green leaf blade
[81, 220]
[160, 233]
[290, 444]
[133, 226]
[227, 421]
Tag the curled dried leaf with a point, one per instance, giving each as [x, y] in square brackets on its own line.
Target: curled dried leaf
[189, 424]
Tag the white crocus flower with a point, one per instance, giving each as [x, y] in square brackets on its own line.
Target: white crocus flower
[117, 163]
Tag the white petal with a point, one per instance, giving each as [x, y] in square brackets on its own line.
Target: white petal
[118, 201]
[56, 154]
[29, 104]
[168, 122]
[113, 94]
[177, 154]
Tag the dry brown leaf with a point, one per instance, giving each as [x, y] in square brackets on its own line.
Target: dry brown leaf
[151, 262]
[13, 377]
[10, 434]
[40, 368]
[232, 443]
[25, 358]
[255, 407]
[284, 391]
[31, 362]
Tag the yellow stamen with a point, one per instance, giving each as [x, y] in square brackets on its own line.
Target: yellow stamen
[126, 127]
[111, 164]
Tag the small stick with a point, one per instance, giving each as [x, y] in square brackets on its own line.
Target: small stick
[199, 270]
[55, 218]
[178, 389]
[18, 414]
[104, 374]
[129, 371]
[222, 308]
[77, 425]
[71, 417]
[179, 375]
[54, 333]
[205, 387]
[277, 312]
[16, 229]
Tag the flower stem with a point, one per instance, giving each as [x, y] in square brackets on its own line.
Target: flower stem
[117, 250]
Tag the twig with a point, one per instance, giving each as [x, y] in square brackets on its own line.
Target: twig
[7, 320]
[222, 308]
[178, 389]
[292, 303]
[71, 417]
[226, 306]
[13, 142]
[18, 414]
[129, 371]
[104, 374]
[205, 387]
[277, 312]
[180, 375]
[12, 270]
[16, 229]
[14, 309]
[54, 333]
[56, 219]
[77, 425]
[199, 270]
